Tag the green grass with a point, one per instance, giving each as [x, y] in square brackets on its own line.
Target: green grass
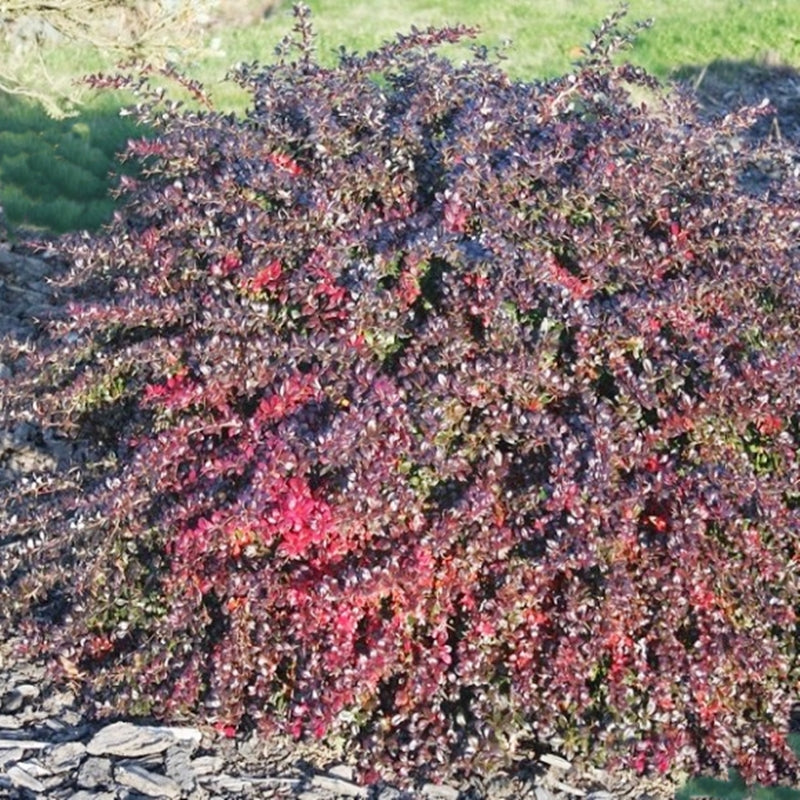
[546, 34]
[54, 173]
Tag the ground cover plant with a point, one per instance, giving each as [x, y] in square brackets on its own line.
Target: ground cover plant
[444, 414]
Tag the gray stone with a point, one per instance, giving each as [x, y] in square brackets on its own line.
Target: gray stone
[25, 744]
[390, 793]
[134, 741]
[241, 783]
[251, 747]
[58, 702]
[11, 756]
[67, 727]
[35, 768]
[38, 770]
[152, 761]
[207, 765]
[178, 765]
[149, 783]
[552, 760]
[343, 771]
[337, 786]
[66, 756]
[95, 773]
[230, 783]
[568, 789]
[18, 697]
[23, 779]
[440, 791]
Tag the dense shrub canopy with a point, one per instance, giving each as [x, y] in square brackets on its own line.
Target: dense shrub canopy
[450, 415]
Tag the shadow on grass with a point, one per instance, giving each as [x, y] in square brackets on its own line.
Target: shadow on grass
[726, 85]
[57, 175]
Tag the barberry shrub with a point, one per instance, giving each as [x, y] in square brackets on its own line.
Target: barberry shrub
[447, 415]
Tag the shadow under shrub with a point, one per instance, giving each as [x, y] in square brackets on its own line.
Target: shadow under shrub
[444, 415]
[723, 85]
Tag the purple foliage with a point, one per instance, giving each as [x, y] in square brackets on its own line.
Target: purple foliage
[440, 412]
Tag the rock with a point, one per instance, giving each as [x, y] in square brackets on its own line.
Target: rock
[86, 795]
[18, 696]
[207, 765]
[56, 703]
[568, 789]
[343, 771]
[231, 784]
[250, 747]
[339, 786]
[148, 783]
[440, 792]
[20, 741]
[179, 766]
[551, 759]
[11, 756]
[134, 741]
[95, 773]
[65, 757]
[390, 793]
[22, 778]
[67, 727]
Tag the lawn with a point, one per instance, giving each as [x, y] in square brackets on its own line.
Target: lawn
[545, 36]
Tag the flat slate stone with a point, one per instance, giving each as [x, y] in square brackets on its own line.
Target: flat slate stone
[208, 765]
[339, 786]
[440, 791]
[95, 773]
[135, 741]
[11, 756]
[25, 744]
[64, 757]
[18, 696]
[178, 765]
[23, 779]
[150, 783]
